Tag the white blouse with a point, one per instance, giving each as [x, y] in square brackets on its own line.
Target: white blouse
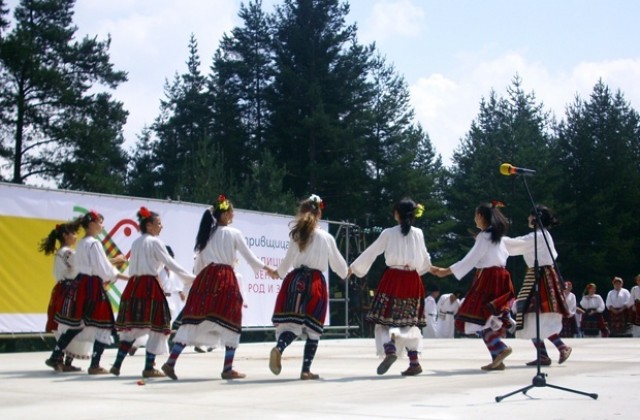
[524, 245]
[149, 256]
[571, 303]
[222, 247]
[91, 259]
[400, 251]
[320, 254]
[619, 298]
[484, 254]
[635, 294]
[592, 302]
[63, 266]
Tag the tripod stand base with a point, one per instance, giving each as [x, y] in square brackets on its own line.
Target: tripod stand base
[540, 380]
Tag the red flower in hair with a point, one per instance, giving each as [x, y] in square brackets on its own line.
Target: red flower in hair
[223, 203]
[497, 204]
[144, 212]
[93, 215]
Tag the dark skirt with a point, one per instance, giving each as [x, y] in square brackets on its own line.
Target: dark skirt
[618, 324]
[214, 296]
[86, 302]
[552, 299]
[491, 293]
[635, 315]
[56, 302]
[144, 306]
[593, 324]
[302, 300]
[569, 327]
[399, 300]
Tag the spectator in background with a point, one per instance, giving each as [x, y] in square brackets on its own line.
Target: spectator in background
[431, 312]
[618, 304]
[448, 306]
[570, 325]
[634, 300]
[593, 322]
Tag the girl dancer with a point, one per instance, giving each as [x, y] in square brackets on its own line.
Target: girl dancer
[213, 313]
[143, 306]
[86, 311]
[553, 306]
[398, 305]
[485, 309]
[301, 305]
[593, 322]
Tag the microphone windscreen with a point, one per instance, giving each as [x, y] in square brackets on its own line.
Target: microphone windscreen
[505, 169]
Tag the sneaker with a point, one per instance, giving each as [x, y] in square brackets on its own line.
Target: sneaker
[70, 368]
[133, 350]
[501, 356]
[57, 366]
[306, 376]
[232, 374]
[152, 373]
[97, 371]
[544, 361]
[564, 354]
[275, 361]
[169, 371]
[490, 366]
[386, 363]
[412, 370]
[114, 371]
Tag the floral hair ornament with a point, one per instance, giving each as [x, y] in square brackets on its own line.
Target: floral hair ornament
[144, 212]
[93, 216]
[418, 211]
[497, 204]
[223, 203]
[317, 201]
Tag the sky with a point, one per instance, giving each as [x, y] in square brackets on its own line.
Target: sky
[451, 53]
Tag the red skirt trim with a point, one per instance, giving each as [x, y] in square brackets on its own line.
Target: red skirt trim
[214, 296]
[55, 303]
[86, 302]
[303, 299]
[491, 293]
[143, 305]
[552, 299]
[399, 300]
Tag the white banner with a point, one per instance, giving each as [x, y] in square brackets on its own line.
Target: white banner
[28, 214]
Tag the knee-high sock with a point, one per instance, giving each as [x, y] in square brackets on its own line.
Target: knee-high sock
[413, 357]
[310, 348]
[62, 344]
[389, 347]
[149, 361]
[123, 350]
[175, 352]
[284, 340]
[542, 349]
[557, 341]
[98, 348]
[229, 354]
[493, 342]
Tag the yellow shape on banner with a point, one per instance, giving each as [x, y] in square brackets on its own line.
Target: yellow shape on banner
[26, 275]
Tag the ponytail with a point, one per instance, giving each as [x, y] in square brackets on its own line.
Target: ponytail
[498, 224]
[408, 211]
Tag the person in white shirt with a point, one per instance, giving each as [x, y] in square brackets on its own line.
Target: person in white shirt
[302, 301]
[144, 310]
[634, 299]
[551, 305]
[570, 324]
[618, 304]
[431, 312]
[487, 305]
[212, 315]
[86, 313]
[593, 323]
[397, 309]
[448, 306]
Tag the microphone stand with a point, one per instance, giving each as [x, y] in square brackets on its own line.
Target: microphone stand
[540, 380]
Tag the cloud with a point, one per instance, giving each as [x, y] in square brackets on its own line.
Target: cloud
[446, 104]
[392, 18]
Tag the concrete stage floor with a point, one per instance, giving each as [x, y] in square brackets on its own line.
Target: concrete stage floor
[452, 386]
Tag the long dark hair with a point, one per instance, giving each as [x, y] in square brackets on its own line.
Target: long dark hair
[48, 244]
[406, 209]
[498, 224]
[209, 224]
[309, 212]
[547, 218]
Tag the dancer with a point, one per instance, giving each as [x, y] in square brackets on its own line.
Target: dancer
[570, 325]
[431, 313]
[593, 323]
[635, 308]
[143, 307]
[486, 307]
[301, 305]
[64, 272]
[448, 306]
[86, 311]
[618, 304]
[213, 313]
[397, 309]
[552, 304]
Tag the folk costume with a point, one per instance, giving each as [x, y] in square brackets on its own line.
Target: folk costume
[618, 304]
[397, 309]
[553, 305]
[593, 323]
[431, 316]
[447, 311]
[634, 299]
[570, 324]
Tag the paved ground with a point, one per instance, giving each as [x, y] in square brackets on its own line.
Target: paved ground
[451, 387]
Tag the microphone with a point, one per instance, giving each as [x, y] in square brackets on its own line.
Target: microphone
[508, 169]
